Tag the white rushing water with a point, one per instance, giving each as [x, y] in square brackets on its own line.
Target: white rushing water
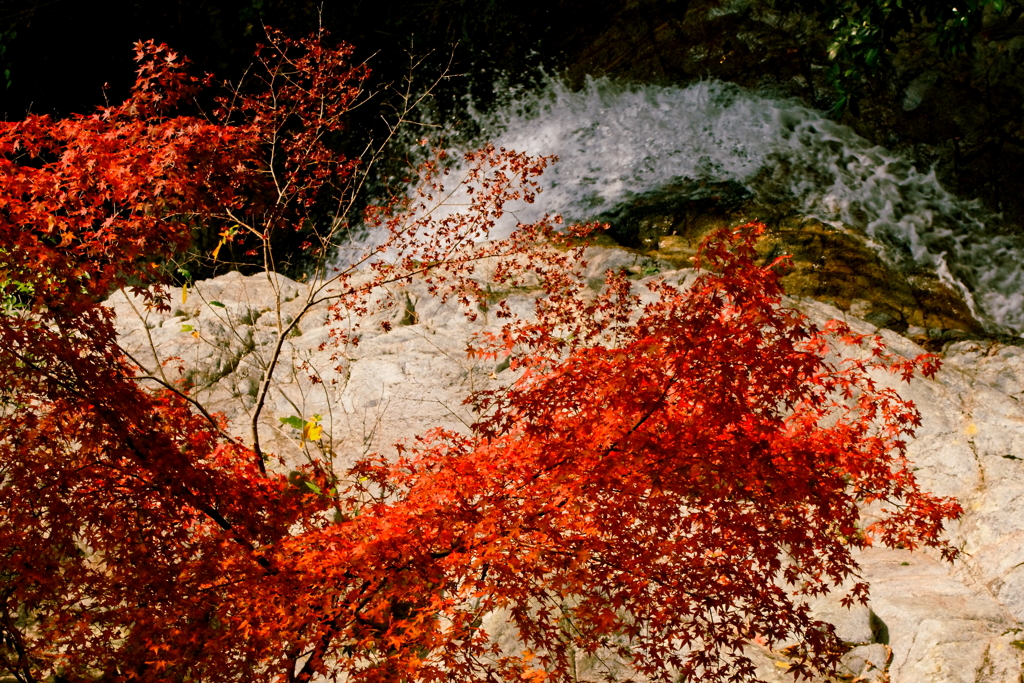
[615, 143]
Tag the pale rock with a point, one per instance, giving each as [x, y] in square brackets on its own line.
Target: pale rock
[939, 628]
[854, 625]
[867, 663]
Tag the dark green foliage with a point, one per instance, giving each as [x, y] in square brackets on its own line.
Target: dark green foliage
[866, 34]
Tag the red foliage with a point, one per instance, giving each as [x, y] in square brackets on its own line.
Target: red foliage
[92, 202]
[663, 481]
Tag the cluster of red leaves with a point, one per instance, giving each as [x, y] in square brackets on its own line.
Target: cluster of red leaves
[669, 496]
[294, 105]
[663, 481]
[92, 202]
[116, 505]
[118, 502]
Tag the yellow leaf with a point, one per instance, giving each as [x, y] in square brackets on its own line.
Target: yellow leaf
[216, 250]
[312, 431]
[196, 334]
[184, 293]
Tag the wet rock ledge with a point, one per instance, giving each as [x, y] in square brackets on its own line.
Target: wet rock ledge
[828, 263]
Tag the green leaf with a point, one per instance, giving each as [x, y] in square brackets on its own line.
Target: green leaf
[293, 421]
[217, 304]
[187, 328]
[312, 487]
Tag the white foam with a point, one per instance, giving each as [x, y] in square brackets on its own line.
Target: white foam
[616, 142]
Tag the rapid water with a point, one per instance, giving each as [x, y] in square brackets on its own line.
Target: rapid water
[615, 143]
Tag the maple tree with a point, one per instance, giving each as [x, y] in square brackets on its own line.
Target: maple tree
[668, 474]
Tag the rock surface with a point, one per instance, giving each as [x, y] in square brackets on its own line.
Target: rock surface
[927, 621]
[828, 263]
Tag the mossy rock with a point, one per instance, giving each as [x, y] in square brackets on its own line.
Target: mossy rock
[826, 263]
[683, 209]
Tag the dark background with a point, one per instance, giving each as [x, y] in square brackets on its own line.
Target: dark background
[967, 121]
[64, 51]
